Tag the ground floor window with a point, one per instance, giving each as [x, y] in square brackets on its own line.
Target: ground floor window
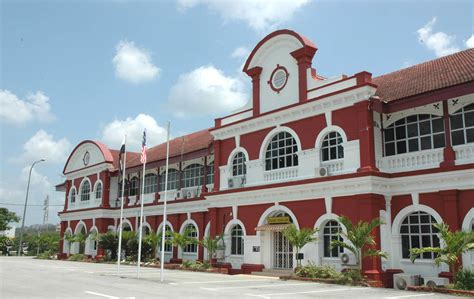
[192, 233]
[417, 231]
[331, 232]
[237, 240]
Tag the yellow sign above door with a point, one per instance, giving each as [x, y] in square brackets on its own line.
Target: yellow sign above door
[278, 220]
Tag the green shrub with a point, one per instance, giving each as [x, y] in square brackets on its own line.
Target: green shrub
[465, 280]
[314, 271]
[78, 257]
[196, 265]
[47, 255]
[186, 264]
[351, 277]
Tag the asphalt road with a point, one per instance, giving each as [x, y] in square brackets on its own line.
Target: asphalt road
[22, 277]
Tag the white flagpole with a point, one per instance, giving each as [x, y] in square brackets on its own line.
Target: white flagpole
[140, 234]
[163, 239]
[119, 253]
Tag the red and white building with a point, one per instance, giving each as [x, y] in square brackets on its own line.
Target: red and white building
[308, 149]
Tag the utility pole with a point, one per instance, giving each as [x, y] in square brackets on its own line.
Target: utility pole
[45, 220]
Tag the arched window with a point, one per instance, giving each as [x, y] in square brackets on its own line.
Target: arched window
[462, 125]
[210, 174]
[72, 197]
[193, 175]
[151, 184]
[331, 148]
[237, 240]
[173, 180]
[238, 164]
[281, 152]
[120, 188]
[134, 185]
[191, 232]
[168, 246]
[331, 232]
[417, 231]
[85, 191]
[414, 133]
[98, 190]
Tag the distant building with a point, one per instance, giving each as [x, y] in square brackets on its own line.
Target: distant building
[8, 233]
[306, 150]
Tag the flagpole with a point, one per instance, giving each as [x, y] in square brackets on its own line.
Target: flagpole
[162, 259]
[140, 234]
[119, 253]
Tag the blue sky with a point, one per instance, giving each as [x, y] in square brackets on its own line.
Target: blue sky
[75, 70]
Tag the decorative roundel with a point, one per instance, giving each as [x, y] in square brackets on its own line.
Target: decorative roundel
[86, 158]
[278, 78]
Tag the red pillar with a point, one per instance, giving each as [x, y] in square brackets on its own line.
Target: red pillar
[365, 126]
[105, 178]
[449, 154]
[303, 56]
[254, 73]
[451, 209]
[68, 187]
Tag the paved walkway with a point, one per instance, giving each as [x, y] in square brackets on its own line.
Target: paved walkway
[22, 277]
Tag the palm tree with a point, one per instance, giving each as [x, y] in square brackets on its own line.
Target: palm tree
[181, 240]
[109, 241]
[128, 245]
[358, 237]
[81, 239]
[211, 245]
[455, 244]
[299, 238]
[153, 241]
[70, 238]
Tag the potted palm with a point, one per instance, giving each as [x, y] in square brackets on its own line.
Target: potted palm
[212, 245]
[298, 239]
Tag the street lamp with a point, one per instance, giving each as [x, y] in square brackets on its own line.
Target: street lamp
[24, 209]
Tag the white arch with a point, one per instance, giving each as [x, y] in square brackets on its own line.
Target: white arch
[160, 227]
[468, 220]
[468, 257]
[234, 152]
[189, 221]
[68, 230]
[99, 181]
[125, 221]
[94, 228]
[321, 222]
[231, 224]
[207, 230]
[85, 179]
[147, 225]
[111, 228]
[272, 133]
[66, 248]
[278, 208]
[407, 211]
[78, 225]
[328, 130]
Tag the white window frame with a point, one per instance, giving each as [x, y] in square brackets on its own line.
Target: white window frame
[462, 111]
[85, 196]
[273, 148]
[193, 175]
[337, 146]
[406, 222]
[151, 183]
[237, 239]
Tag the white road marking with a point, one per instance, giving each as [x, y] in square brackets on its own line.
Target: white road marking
[216, 281]
[267, 296]
[409, 296]
[101, 295]
[255, 286]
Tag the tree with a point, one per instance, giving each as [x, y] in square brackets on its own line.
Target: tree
[7, 217]
[128, 246]
[357, 237]
[70, 238]
[81, 239]
[109, 242]
[153, 241]
[455, 244]
[181, 240]
[299, 238]
[211, 245]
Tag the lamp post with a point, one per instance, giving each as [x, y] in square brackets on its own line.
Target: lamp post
[24, 209]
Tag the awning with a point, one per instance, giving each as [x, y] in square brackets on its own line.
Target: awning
[272, 227]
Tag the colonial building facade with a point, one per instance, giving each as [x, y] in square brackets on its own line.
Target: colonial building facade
[306, 150]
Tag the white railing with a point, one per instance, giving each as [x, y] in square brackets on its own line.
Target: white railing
[190, 192]
[411, 161]
[91, 203]
[280, 174]
[210, 187]
[172, 194]
[464, 153]
[334, 166]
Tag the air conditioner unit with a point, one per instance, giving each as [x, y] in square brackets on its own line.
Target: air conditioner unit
[348, 259]
[402, 280]
[191, 193]
[322, 171]
[236, 182]
[179, 194]
[433, 282]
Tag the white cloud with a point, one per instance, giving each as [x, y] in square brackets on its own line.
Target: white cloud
[260, 15]
[470, 42]
[240, 52]
[206, 91]
[43, 146]
[112, 133]
[134, 64]
[439, 42]
[18, 111]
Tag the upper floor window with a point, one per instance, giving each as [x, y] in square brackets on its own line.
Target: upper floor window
[331, 232]
[151, 184]
[193, 175]
[85, 190]
[281, 152]
[331, 148]
[237, 241]
[120, 188]
[210, 174]
[73, 195]
[414, 133]
[462, 125]
[134, 185]
[238, 164]
[191, 232]
[173, 179]
[98, 190]
[417, 231]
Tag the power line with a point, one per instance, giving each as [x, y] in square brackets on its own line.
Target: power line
[30, 205]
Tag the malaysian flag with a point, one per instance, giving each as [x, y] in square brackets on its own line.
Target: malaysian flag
[143, 156]
[121, 154]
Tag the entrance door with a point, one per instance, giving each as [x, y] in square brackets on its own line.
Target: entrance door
[282, 252]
